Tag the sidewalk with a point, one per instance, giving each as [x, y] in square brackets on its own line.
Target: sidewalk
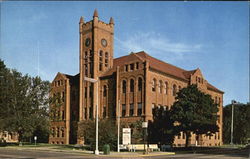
[112, 153]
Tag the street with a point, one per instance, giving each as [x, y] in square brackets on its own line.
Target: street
[7, 153]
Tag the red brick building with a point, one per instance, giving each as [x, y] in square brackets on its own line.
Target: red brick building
[140, 82]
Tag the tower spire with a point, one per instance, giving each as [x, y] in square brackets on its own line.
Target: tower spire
[95, 13]
[111, 21]
[81, 20]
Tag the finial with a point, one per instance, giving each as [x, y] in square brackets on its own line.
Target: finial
[111, 21]
[95, 13]
[81, 20]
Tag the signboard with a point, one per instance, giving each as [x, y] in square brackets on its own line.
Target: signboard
[145, 124]
[126, 136]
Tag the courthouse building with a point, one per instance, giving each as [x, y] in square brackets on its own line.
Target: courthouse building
[138, 81]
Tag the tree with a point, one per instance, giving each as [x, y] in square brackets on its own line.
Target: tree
[194, 111]
[136, 131]
[107, 133]
[241, 123]
[161, 128]
[23, 102]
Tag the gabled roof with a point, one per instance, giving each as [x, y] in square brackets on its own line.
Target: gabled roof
[73, 79]
[188, 74]
[121, 61]
[213, 88]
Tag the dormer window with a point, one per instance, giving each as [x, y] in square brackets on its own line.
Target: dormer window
[131, 67]
[126, 68]
[137, 65]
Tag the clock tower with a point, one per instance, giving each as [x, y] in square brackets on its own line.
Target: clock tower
[96, 57]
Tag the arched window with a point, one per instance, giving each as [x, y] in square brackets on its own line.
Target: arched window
[58, 132]
[139, 84]
[104, 91]
[86, 69]
[179, 88]
[106, 59]
[100, 53]
[62, 131]
[174, 90]
[86, 54]
[216, 100]
[160, 86]
[154, 85]
[100, 60]
[131, 85]
[166, 87]
[124, 86]
[53, 132]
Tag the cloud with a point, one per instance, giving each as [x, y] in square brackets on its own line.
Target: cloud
[157, 45]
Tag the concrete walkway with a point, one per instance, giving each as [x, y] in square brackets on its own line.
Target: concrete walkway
[112, 154]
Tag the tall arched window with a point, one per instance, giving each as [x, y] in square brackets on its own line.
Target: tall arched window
[166, 87]
[160, 86]
[216, 100]
[104, 91]
[100, 60]
[131, 85]
[100, 53]
[124, 86]
[86, 69]
[106, 59]
[154, 85]
[139, 84]
[174, 90]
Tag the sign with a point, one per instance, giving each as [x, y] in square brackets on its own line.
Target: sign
[35, 137]
[126, 136]
[145, 124]
[92, 80]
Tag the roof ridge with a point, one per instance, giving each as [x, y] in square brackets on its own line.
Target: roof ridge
[147, 55]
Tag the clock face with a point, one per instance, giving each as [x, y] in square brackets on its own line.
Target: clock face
[104, 42]
[87, 42]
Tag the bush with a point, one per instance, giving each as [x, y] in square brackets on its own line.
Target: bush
[3, 142]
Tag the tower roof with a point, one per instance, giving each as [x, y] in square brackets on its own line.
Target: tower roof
[95, 13]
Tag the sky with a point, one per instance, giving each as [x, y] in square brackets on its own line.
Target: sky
[42, 38]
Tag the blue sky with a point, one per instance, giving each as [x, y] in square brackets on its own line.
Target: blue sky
[41, 38]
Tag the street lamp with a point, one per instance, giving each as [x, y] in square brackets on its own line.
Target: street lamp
[232, 120]
[144, 126]
[92, 80]
[118, 128]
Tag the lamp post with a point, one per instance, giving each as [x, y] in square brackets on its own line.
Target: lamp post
[92, 80]
[232, 120]
[144, 126]
[118, 129]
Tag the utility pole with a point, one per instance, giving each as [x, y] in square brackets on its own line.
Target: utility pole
[232, 122]
[96, 119]
[118, 129]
